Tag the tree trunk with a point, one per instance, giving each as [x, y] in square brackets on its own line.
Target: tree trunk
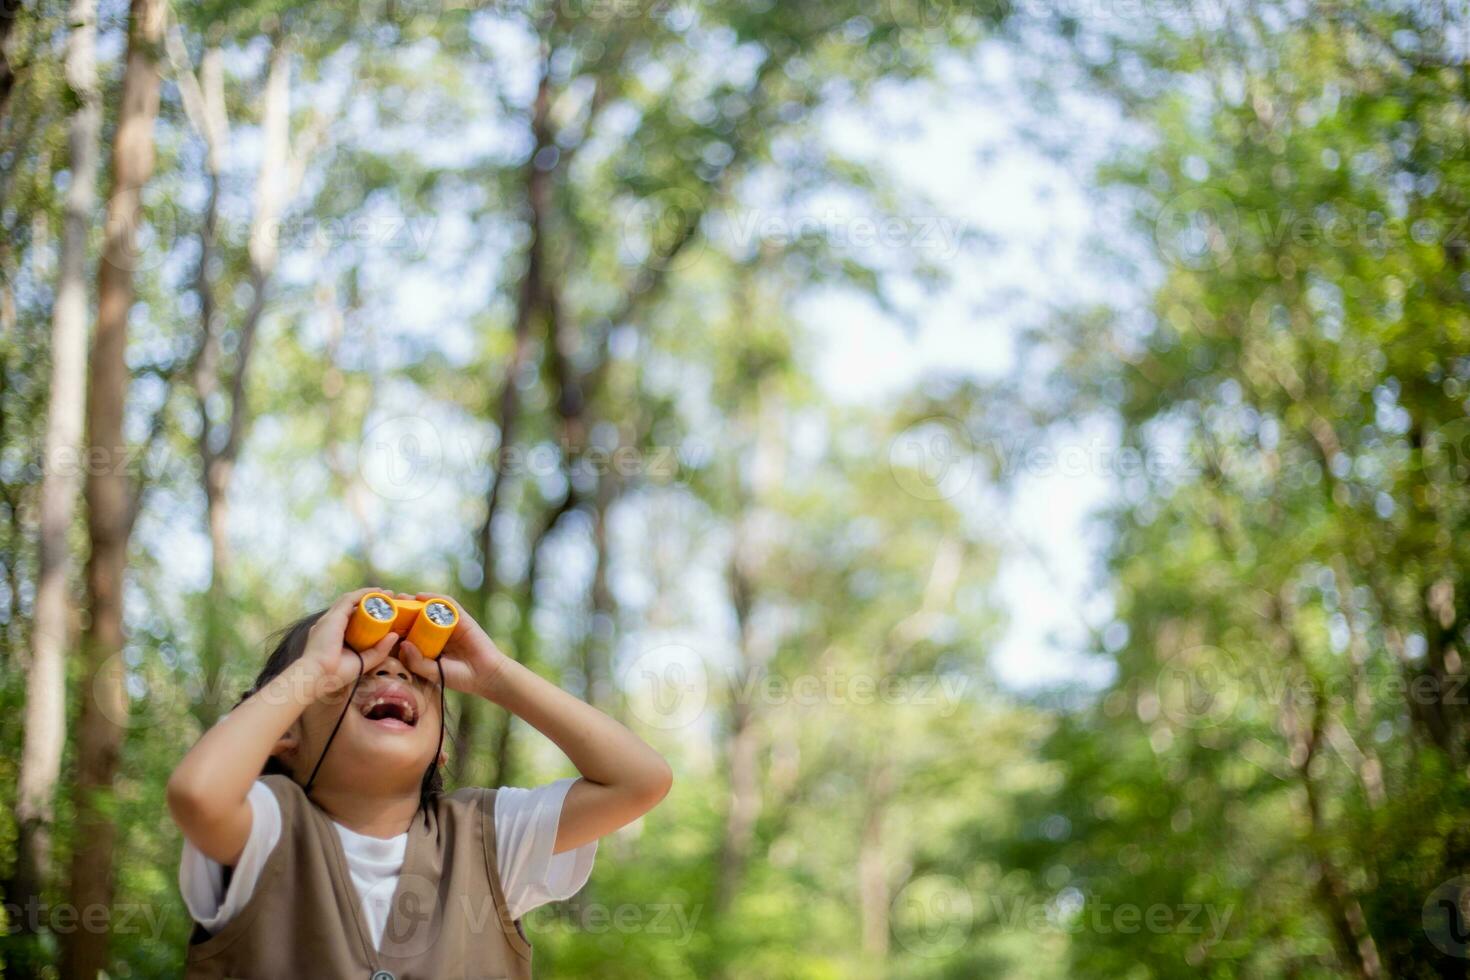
[219, 443]
[758, 643]
[873, 889]
[744, 806]
[347, 477]
[109, 497]
[45, 719]
[206, 109]
[9, 13]
[507, 406]
[1305, 725]
[597, 645]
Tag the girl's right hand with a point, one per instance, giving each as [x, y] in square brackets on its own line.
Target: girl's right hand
[327, 655]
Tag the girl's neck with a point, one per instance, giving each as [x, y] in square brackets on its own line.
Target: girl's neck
[372, 816]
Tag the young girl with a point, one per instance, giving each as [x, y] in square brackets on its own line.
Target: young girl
[317, 842]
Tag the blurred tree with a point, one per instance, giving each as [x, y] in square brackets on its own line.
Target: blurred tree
[111, 496]
[9, 14]
[694, 136]
[221, 383]
[1281, 748]
[45, 701]
[1284, 731]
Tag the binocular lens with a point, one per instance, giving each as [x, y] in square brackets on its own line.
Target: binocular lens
[439, 613]
[426, 624]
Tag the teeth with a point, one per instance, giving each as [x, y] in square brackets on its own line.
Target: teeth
[410, 715]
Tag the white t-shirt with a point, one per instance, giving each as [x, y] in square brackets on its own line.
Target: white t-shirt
[525, 832]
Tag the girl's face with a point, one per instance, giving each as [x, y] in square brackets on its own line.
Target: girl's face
[388, 737]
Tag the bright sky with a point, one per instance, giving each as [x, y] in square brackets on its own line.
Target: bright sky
[968, 154]
[974, 162]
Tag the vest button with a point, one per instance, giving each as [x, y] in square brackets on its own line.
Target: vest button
[383, 975]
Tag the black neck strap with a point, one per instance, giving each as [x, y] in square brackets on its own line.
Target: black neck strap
[434, 762]
[346, 707]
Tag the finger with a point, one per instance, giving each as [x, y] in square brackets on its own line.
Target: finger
[456, 677]
[344, 605]
[378, 652]
[414, 659]
[350, 599]
[462, 618]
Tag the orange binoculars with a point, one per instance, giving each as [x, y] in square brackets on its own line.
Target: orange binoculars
[426, 623]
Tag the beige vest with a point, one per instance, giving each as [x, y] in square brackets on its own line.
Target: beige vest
[447, 921]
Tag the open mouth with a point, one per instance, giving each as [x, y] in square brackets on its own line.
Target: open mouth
[390, 709]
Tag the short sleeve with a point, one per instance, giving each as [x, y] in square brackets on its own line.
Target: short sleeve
[202, 879]
[525, 835]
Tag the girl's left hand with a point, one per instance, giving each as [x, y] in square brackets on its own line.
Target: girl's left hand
[470, 659]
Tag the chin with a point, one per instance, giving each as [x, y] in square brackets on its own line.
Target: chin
[384, 747]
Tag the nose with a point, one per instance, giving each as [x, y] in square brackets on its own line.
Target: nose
[393, 669]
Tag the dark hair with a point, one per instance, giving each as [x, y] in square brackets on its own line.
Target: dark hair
[290, 645]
